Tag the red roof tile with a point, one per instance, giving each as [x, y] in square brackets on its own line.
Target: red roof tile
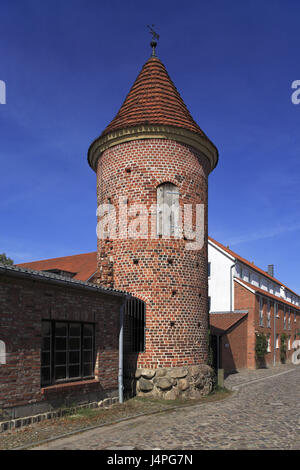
[153, 99]
[224, 321]
[84, 265]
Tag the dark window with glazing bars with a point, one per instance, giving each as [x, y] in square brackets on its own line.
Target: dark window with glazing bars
[134, 323]
[68, 351]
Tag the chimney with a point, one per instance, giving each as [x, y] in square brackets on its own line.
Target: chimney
[271, 269]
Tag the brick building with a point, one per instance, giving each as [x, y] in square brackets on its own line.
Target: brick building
[154, 151]
[59, 341]
[246, 301]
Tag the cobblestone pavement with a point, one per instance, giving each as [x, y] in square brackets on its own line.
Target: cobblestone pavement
[264, 414]
[245, 376]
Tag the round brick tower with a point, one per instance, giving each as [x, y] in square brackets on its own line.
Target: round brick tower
[154, 145]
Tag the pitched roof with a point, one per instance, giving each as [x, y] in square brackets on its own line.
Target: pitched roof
[251, 265]
[267, 294]
[17, 271]
[83, 265]
[222, 322]
[153, 99]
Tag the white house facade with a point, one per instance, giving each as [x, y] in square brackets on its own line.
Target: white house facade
[225, 266]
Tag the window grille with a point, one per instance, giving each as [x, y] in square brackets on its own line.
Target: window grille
[68, 351]
[134, 325]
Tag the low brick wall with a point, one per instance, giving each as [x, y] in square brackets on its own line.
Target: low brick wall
[27, 420]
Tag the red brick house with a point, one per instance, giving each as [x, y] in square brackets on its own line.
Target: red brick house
[270, 307]
[229, 336]
[59, 342]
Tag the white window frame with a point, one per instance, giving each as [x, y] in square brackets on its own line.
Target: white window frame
[261, 311]
[268, 314]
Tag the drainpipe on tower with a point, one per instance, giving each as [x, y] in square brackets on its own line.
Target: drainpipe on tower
[121, 343]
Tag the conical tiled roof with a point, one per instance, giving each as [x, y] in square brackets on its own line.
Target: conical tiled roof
[153, 108]
[153, 100]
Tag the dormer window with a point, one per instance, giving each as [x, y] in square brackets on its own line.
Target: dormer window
[60, 272]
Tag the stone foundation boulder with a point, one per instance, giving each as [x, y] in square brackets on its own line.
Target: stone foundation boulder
[172, 382]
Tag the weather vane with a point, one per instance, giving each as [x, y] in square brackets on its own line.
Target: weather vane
[155, 38]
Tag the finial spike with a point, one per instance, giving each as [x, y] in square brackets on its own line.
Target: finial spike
[155, 38]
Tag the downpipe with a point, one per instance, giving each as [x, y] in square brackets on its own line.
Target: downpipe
[121, 348]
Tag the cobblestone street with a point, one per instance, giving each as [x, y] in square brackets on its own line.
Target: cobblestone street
[263, 413]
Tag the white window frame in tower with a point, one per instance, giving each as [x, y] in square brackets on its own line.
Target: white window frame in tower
[168, 210]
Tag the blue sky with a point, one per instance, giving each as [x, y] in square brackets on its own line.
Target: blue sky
[68, 66]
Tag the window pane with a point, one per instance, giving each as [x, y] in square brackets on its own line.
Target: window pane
[74, 343]
[60, 344]
[60, 358]
[74, 357]
[60, 329]
[87, 356]
[45, 375]
[75, 329]
[74, 371]
[87, 342]
[88, 370]
[46, 344]
[46, 328]
[45, 359]
[88, 330]
[60, 372]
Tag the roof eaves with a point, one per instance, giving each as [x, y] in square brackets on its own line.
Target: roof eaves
[222, 250]
[249, 264]
[255, 289]
[245, 285]
[56, 279]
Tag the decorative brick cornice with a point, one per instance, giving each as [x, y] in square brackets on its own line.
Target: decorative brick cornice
[198, 142]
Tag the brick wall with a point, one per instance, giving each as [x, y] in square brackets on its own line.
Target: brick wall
[23, 305]
[233, 347]
[169, 278]
[245, 299]
[289, 330]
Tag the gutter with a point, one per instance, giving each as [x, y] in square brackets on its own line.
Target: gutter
[121, 348]
[56, 279]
